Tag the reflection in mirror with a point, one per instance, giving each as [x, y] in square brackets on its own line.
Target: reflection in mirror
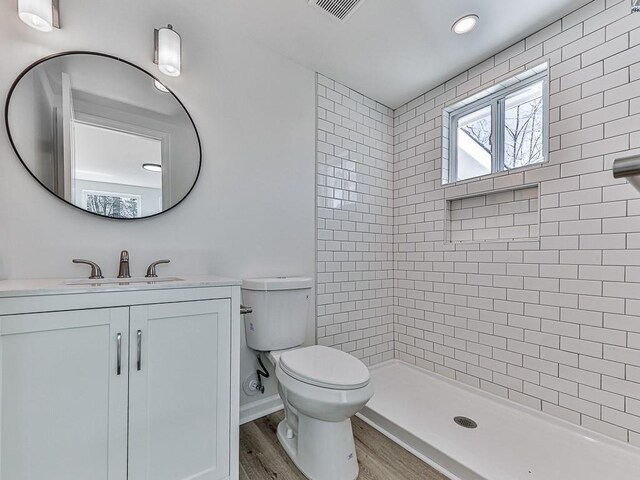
[102, 135]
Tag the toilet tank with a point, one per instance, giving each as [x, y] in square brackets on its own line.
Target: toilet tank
[280, 312]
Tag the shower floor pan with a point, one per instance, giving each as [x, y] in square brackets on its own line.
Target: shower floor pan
[416, 408]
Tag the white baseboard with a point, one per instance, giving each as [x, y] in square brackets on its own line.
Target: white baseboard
[260, 408]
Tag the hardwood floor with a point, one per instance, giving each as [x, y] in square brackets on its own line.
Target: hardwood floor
[262, 457]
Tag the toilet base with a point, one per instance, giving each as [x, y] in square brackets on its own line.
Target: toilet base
[321, 450]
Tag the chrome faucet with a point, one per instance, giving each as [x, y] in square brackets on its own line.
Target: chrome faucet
[123, 272]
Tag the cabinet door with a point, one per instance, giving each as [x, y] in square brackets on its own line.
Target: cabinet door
[179, 393]
[64, 403]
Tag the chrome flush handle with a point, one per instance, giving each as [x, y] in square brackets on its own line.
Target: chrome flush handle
[96, 272]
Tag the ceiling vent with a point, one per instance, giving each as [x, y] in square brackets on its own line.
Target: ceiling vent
[339, 10]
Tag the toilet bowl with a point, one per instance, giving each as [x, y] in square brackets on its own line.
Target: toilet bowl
[321, 387]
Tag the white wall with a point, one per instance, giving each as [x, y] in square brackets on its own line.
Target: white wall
[252, 211]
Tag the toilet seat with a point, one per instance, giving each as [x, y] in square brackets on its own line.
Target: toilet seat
[325, 367]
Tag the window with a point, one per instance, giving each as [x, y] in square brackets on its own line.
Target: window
[505, 129]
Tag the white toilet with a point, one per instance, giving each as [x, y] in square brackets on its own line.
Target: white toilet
[321, 387]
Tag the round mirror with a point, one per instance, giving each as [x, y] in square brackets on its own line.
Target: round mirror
[103, 135]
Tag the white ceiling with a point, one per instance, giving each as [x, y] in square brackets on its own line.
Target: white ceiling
[109, 156]
[391, 50]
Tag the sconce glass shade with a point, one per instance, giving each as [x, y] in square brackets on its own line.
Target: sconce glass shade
[160, 86]
[39, 14]
[169, 51]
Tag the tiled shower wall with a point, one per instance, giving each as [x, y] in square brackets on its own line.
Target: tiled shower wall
[508, 215]
[552, 322]
[355, 223]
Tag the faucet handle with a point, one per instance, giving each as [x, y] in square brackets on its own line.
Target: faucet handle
[96, 271]
[151, 271]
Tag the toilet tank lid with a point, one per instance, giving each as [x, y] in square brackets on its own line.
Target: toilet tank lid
[277, 283]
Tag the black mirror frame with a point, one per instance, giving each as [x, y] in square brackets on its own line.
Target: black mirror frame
[112, 57]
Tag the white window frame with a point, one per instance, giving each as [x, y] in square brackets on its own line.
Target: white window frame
[497, 102]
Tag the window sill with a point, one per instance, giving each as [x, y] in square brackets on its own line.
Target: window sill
[502, 174]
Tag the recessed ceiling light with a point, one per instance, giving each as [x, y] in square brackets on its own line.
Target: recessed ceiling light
[160, 86]
[465, 24]
[152, 167]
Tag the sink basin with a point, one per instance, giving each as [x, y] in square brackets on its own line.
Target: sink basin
[122, 281]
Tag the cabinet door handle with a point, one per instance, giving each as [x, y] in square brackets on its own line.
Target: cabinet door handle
[139, 362]
[119, 354]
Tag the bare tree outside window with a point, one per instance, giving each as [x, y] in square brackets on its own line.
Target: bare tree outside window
[480, 131]
[523, 129]
[112, 204]
[474, 144]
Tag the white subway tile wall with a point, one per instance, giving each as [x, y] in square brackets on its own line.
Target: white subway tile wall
[552, 323]
[507, 215]
[355, 223]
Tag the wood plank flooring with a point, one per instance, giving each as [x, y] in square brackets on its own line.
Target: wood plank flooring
[262, 457]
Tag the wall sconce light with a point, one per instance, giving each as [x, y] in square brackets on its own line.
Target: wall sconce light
[628, 168]
[635, 6]
[43, 15]
[168, 51]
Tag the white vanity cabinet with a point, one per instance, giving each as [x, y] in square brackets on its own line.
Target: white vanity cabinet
[120, 383]
[179, 391]
[64, 407]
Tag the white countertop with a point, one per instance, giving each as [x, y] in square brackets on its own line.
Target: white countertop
[60, 286]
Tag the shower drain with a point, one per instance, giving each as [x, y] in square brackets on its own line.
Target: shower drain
[465, 422]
